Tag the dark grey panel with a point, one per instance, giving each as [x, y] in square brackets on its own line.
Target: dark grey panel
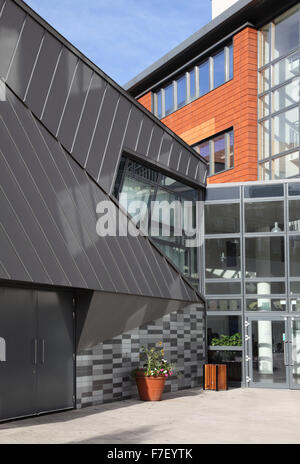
[133, 129]
[176, 155]
[89, 119]
[114, 146]
[165, 149]
[155, 143]
[76, 99]
[193, 166]
[183, 162]
[144, 136]
[59, 89]
[43, 73]
[100, 138]
[25, 56]
[11, 22]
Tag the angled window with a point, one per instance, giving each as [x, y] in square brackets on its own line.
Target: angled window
[218, 152]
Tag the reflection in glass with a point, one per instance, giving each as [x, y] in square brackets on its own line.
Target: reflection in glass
[265, 257]
[232, 359]
[224, 305]
[224, 331]
[159, 104]
[285, 128]
[264, 106]
[264, 139]
[192, 84]
[264, 171]
[285, 69]
[274, 288]
[263, 191]
[264, 45]
[134, 190]
[230, 136]
[295, 302]
[169, 99]
[266, 304]
[222, 258]
[294, 215]
[285, 96]
[222, 219]
[294, 256]
[181, 91]
[286, 32]
[294, 189]
[264, 216]
[204, 85]
[286, 166]
[264, 80]
[268, 352]
[296, 352]
[230, 61]
[223, 288]
[219, 154]
[219, 69]
[204, 150]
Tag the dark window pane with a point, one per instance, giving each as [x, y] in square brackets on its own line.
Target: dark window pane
[119, 177]
[231, 62]
[219, 69]
[224, 331]
[287, 32]
[295, 256]
[142, 171]
[204, 78]
[265, 257]
[222, 219]
[219, 154]
[181, 91]
[233, 361]
[231, 149]
[266, 304]
[294, 215]
[192, 84]
[169, 99]
[203, 149]
[224, 305]
[223, 288]
[159, 104]
[257, 288]
[295, 287]
[222, 193]
[222, 258]
[264, 217]
[263, 191]
[295, 305]
[294, 189]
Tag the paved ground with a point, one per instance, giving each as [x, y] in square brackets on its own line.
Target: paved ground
[194, 416]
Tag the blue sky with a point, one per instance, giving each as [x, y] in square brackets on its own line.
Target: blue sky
[123, 37]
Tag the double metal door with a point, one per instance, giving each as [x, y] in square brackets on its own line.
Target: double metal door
[273, 351]
[36, 352]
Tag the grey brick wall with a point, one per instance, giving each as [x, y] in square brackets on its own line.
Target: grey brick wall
[103, 373]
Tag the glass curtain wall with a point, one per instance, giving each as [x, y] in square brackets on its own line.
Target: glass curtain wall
[278, 99]
[136, 182]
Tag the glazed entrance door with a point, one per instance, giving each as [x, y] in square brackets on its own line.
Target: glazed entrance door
[294, 352]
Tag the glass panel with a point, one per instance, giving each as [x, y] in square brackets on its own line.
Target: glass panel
[285, 128]
[119, 176]
[285, 69]
[230, 61]
[264, 80]
[263, 106]
[223, 288]
[295, 303]
[179, 256]
[268, 352]
[294, 215]
[159, 104]
[224, 305]
[203, 149]
[233, 361]
[285, 96]
[296, 352]
[165, 223]
[222, 219]
[222, 258]
[275, 288]
[219, 69]
[265, 258]
[2, 349]
[264, 171]
[294, 256]
[264, 139]
[286, 32]
[223, 193]
[231, 149]
[294, 189]
[224, 331]
[181, 91]
[204, 85]
[184, 191]
[295, 288]
[286, 166]
[263, 191]
[264, 217]
[192, 84]
[134, 190]
[169, 99]
[142, 171]
[266, 304]
[264, 45]
[219, 153]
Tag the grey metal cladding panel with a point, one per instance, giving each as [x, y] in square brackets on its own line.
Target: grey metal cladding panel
[184, 161]
[155, 143]
[21, 158]
[42, 74]
[202, 173]
[105, 121]
[144, 137]
[175, 283]
[25, 56]
[157, 263]
[133, 128]
[88, 119]
[75, 103]
[10, 259]
[177, 153]
[59, 90]
[11, 22]
[1, 4]
[114, 145]
[165, 149]
[193, 167]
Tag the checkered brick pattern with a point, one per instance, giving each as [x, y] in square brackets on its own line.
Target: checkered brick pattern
[103, 373]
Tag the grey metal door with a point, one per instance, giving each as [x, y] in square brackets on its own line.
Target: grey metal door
[18, 353]
[55, 380]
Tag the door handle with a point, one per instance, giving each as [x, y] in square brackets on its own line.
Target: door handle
[43, 351]
[35, 351]
[286, 361]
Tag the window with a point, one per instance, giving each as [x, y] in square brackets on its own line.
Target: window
[265, 257]
[286, 32]
[266, 304]
[272, 288]
[222, 219]
[218, 151]
[224, 305]
[2, 350]
[264, 217]
[222, 258]
[196, 82]
[224, 331]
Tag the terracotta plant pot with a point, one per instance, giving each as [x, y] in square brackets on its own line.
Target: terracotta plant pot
[150, 388]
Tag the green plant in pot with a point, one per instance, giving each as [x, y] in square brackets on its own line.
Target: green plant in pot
[151, 378]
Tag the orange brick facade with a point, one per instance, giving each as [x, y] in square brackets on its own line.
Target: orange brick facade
[234, 104]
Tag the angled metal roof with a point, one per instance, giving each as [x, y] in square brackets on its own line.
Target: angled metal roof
[93, 118]
[48, 220]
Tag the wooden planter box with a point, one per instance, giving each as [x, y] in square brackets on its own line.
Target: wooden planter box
[215, 377]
